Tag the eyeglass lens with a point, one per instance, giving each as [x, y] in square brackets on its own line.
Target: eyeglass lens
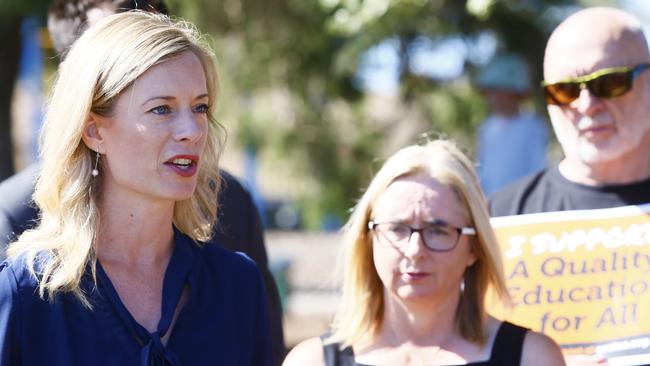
[604, 86]
[435, 237]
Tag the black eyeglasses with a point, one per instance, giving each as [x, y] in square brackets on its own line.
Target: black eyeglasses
[605, 83]
[438, 237]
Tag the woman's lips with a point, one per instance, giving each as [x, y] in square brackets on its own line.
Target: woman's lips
[183, 165]
[414, 276]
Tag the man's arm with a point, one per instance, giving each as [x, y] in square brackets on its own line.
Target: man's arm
[17, 210]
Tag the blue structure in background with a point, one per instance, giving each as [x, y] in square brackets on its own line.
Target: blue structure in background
[250, 174]
[30, 77]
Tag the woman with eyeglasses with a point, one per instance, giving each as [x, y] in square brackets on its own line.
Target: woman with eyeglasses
[420, 256]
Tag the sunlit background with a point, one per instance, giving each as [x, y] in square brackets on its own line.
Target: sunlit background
[314, 94]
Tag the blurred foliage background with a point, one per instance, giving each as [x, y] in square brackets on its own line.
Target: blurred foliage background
[297, 81]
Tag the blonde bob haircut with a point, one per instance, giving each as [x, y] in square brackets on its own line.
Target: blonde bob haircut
[361, 312]
[106, 60]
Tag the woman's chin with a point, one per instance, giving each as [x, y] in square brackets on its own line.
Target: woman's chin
[408, 293]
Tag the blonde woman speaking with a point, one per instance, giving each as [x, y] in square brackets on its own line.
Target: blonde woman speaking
[115, 274]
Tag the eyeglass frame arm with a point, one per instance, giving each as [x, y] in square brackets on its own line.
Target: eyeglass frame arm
[636, 70]
[462, 230]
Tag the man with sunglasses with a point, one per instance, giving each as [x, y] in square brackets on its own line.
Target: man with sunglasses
[597, 88]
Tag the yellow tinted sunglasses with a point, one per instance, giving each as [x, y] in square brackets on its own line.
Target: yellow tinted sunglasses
[605, 83]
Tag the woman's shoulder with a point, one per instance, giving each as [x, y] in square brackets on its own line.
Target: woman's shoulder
[540, 349]
[16, 273]
[217, 257]
[223, 256]
[18, 287]
[536, 348]
[308, 352]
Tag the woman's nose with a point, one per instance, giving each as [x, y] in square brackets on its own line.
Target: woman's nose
[415, 245]
[189, 127]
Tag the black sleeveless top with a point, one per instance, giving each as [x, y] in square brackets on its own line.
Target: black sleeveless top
[506, 349]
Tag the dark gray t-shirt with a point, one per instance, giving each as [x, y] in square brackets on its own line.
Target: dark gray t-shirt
[548, 191]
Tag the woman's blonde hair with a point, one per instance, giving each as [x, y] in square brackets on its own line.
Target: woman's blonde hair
[106, 60]
[361, 312]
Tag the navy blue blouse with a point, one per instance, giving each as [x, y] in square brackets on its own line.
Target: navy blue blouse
[224, 320]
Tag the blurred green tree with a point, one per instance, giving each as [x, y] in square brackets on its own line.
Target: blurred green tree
[293, 87]
[292, 74]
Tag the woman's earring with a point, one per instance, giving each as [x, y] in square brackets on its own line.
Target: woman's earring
[95, 172]
[462, 285]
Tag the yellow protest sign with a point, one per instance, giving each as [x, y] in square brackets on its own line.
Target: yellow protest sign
[581, 277]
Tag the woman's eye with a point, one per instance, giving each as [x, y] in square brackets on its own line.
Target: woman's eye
[160, 110]
[201, 108]
[398, 230]
[437, 231]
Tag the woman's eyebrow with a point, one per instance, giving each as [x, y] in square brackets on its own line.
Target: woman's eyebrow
[437, 222]
[169, 97]
[163, 97]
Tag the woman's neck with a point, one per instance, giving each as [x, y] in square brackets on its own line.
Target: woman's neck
[421, 322]
[422, 333]
[139, 233]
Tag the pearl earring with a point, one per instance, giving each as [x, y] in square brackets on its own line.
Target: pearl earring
[95, 172]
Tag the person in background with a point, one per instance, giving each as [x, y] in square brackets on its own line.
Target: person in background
[239, 226]
[420, 256]
[511, 141]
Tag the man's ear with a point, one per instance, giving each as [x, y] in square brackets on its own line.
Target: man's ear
[91, 134]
